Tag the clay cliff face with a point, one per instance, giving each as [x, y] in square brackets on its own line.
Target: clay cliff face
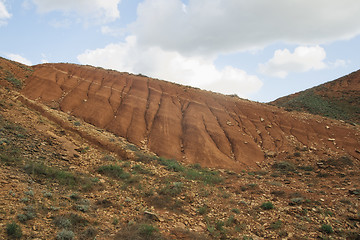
[179, 122]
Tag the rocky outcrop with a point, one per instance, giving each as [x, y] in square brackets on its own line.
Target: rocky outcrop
[184, 123]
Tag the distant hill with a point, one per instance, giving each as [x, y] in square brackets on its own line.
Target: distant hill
[338, 99]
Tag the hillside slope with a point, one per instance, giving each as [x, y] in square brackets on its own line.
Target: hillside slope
[62, 178]
[179, 122]
[338, 99]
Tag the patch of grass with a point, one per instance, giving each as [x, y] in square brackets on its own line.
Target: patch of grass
[139, 169]
[171, 164]
[314, 103]
[114, 171]
[202, 174]
[267, 206]
[139, 231]
[13, 230]
[14, 81]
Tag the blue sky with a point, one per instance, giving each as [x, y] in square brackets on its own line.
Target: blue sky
[258, 49]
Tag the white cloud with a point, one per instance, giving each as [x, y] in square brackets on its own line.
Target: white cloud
[98, 10]
[4, 14]
[19, 58]
[213, 26]
[115, 32]
[339, 63]
[301, 60]
[197, 71]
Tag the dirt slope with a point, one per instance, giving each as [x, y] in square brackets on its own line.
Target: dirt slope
[61, 178]
[338, 99]
[184, 123]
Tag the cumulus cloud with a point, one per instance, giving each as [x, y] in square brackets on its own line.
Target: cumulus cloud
[19, 58]
[301, 60]
[4, 14]
[196, 71]
[98, 10]
[212, 26]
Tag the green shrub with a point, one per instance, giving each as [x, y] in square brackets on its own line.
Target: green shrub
[326, 228]
[65, 235]
[62, 222]
[13, 230]
[267, 206]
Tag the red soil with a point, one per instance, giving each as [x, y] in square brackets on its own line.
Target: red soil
[187, 124]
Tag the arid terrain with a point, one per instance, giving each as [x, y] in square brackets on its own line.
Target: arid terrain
[337, 99]
[89, 153]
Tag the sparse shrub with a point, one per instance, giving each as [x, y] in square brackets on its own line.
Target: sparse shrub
[89, 233]
[345, 201]
[219, 225]
[297, 154]
[65, 235]
[139, 169]
[326, 228]
[267, 205]
[75, 196]
[235, 210]
[204, 175]
[296, 201]
[13, 230]
[172, 189]
[108, 158]
[230, 221]
[139, 231]
[77, 123]
[284, 166]
[47, 194]
[30, 193]
[114, 171]
[203, 210]
[62, 222]
[171, 165]
[240, 227]
[29, 213]
[63, 177]
[115, 221]
[276, 225]
[14, 81]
